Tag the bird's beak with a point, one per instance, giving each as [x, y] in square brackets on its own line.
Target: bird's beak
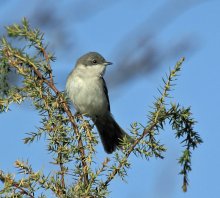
[108, 63]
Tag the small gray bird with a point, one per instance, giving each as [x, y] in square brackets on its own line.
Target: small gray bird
[87, 90]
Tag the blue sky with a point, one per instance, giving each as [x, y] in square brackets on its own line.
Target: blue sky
[198, 87]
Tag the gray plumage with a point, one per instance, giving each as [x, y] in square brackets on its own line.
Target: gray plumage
[87, 90]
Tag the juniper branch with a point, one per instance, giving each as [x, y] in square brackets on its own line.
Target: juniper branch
[15, 58]
[157, 119]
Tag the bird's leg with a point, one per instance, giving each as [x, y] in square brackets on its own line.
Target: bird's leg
[77, 115]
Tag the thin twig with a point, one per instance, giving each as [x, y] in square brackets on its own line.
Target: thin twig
[48, 62]
[97, 173]
[52, 82]
[23, 191]
[15, 185]
[116, 170]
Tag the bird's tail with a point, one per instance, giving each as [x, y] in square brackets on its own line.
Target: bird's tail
[110, 132]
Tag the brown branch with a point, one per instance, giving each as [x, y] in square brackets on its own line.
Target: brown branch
[64, 105]
[98, 172]
[59, 154]
[153, 123]
[23, 191]
[71, 118]
[52, 82]
[61, 171]
[116, 170]
[14, 184]
[48, 62]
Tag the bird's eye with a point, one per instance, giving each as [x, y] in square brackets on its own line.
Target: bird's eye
[94, 61]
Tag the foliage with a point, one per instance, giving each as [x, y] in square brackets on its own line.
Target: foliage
[71, 139]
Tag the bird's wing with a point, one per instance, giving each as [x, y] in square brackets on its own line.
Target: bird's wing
[106, 92]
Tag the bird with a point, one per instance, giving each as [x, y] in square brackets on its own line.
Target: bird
[87, 90]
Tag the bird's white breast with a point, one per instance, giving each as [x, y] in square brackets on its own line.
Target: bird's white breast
[87, 94]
